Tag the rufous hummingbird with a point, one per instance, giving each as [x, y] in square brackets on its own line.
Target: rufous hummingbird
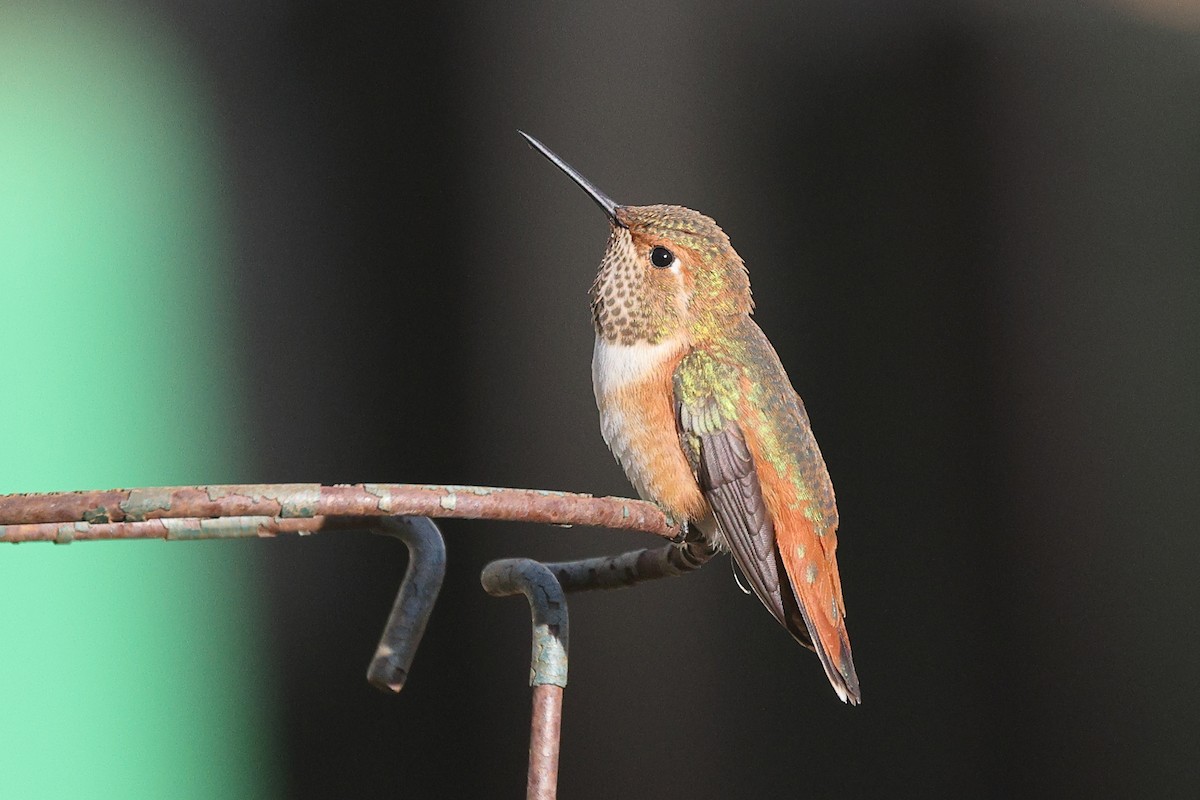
[696, 406]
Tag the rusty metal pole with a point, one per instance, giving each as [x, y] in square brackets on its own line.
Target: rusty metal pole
[548, 664]
[143, 513]
[545, 730]
[246, 511]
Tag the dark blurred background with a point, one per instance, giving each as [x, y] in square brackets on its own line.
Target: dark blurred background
[973, 231]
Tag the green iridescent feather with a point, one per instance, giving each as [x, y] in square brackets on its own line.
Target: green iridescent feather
[738, 377]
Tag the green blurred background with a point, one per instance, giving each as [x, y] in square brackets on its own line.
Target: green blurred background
[130, 670]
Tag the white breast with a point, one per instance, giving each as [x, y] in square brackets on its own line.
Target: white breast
[615, 366]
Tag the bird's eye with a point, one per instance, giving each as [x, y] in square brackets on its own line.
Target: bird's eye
[661, 257]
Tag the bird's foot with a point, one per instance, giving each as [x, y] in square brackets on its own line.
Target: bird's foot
[685, 532]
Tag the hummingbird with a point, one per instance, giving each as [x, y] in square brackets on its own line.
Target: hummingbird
[699, 412]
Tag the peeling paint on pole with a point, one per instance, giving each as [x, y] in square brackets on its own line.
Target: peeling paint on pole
[113, 514]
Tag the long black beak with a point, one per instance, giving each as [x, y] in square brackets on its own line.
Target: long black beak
[604, 201]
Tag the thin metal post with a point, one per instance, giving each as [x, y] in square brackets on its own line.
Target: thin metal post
[548, 663]
[545, 730]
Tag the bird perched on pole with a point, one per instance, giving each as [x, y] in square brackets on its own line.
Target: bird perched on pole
[696, 406]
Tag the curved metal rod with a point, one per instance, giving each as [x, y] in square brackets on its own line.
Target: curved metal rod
[548, 663]
[414, 602]
[634, 567]
[548, 607]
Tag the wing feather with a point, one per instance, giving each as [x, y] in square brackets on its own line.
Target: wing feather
[805, 602]
[730, 484]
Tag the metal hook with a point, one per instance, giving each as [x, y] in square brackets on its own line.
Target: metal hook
[414, 602]
[548, 663]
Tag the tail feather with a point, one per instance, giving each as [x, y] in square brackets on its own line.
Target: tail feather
[839, 666]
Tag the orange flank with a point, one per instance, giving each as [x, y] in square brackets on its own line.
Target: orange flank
[637, 418]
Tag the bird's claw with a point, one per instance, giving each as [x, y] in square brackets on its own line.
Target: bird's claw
[684, 531]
